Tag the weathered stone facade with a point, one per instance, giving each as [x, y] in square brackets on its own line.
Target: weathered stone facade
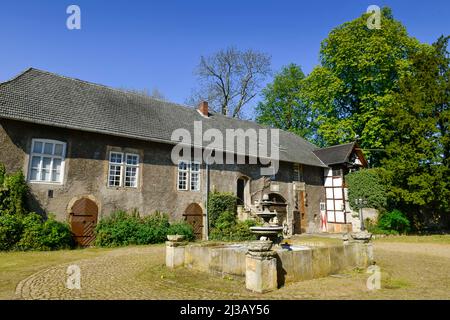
[86, 175]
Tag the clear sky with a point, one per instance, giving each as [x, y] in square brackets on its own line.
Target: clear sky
[157, 44]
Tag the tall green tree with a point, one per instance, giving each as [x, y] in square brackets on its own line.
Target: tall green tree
[416, 167]
[441, 94]
[358, 79]
[283, 106]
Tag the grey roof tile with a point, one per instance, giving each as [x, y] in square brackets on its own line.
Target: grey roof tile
[336, 154]
[46, 98]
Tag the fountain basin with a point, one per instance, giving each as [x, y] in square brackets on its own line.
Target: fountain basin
[259, 246]
[294, 262]
[266, 230]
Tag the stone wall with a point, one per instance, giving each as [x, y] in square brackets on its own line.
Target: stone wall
[292, 266]
[86, 173]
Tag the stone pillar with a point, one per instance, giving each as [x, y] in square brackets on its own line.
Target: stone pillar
[261, 267]
[175, 251]
[363, 241]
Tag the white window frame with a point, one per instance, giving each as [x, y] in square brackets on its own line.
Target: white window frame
[123, 169]
[189, 174]
[42, 155]
[126, 166]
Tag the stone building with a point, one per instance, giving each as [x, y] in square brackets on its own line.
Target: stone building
[87, 150]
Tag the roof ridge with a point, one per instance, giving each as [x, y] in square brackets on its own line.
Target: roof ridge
[17, 76]
[124, 91]
[335, 146]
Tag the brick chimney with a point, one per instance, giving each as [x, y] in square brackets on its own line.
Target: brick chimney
[203, 108]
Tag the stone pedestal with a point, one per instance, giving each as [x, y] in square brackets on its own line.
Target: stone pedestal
[362, 240]
[175, 252]
[261, 271]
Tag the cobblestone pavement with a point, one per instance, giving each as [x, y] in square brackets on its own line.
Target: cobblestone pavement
[139, 273]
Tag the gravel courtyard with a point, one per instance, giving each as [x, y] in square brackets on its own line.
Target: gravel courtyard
[409, 271]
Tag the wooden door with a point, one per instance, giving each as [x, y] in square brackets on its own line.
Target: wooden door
[301, 208]
[297, 222]
[83, 220]
[194, 216]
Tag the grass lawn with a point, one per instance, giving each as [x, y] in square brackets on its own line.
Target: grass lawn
[437, 239]
[15, 266]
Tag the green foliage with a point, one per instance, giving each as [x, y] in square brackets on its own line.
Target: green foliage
[44, 235]
[357, 80]
[218, 203]
[394, 221]
[417, 167]
[31, 232]
[283, 106]
[2, 173]
[227, 228]
[13, 191]
[10, 231]
[366, 184]
[182, 228]
[20, 230]
[122, 228]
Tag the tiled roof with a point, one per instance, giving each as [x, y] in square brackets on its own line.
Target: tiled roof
[42, 97]
[336, 154]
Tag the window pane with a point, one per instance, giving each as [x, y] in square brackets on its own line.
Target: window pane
[132, 159]
[37, 147]
[116, 157]
[34, 175]
[114, 176]
[195, 181]
[58, 149]
[48, 148]
[46, 169]
[195, 167]
[56, 171]
[182, 180]
[56, 176]
[57, 164]
[131, 177]
[35, 161]
[182, 165]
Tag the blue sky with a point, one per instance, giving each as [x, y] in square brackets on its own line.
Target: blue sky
[157, 44]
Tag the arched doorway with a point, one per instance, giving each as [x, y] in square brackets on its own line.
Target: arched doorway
[194, 216]
[243, 191]
[83, 220]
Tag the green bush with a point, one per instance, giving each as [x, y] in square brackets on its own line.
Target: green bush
[119, 229]
[44, 235]
[372, 227]
[394, 221]
[10, 231]
[219, 202]
[228, 228]
[122, 228]
[155, 228]
[366, 184]
[13, 192]
[182, 228]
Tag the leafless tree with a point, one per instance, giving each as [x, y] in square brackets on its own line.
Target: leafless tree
[230, 78]
[145, 92]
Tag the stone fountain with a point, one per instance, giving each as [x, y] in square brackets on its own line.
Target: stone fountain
[270, 229]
